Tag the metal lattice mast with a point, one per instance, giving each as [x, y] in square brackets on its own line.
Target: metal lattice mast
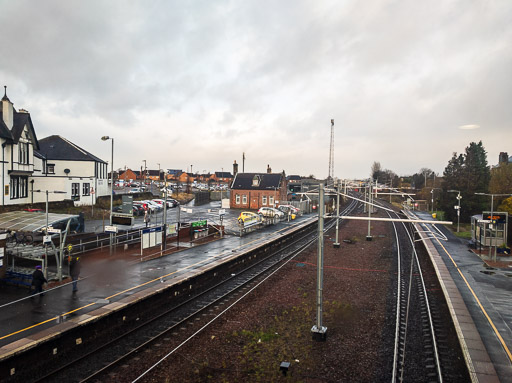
[331, 152]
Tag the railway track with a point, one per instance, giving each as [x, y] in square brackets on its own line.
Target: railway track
[425, 347]
[144, 347]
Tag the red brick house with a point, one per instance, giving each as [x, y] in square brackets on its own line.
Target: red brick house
[255, 190]
[128, 175]
[221, 177]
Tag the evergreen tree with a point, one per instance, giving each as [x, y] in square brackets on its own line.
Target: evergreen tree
[469, 174]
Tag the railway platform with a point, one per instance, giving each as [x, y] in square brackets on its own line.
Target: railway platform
[111, 283]
[478, 297]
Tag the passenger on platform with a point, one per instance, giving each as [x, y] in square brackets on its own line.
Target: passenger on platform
[147, 219]
[38, 280]
[74, 271]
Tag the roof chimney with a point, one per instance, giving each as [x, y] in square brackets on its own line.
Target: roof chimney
[269, 170]
[7, 110]
[503, 158]
[235, 168]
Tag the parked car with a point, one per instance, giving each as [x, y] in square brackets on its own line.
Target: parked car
[248, 216]
[156, 206]
[270, 212]
[170, 203]
[136, 190]
[289, 208]
[145, 205]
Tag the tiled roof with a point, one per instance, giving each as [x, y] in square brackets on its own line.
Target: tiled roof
[223, 175]
[58, 148]
[243, 181]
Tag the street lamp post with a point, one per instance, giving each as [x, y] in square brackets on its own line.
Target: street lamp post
[459, 197]
[492, 213]
[105, 138]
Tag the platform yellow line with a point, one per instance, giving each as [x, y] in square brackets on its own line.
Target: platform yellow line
[127, 290]
[500, 338]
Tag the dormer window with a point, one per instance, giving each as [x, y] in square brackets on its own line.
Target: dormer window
[256, 181]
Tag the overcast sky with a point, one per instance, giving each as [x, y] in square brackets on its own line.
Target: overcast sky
[198, 83]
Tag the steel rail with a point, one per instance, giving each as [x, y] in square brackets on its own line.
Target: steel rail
[195, 298]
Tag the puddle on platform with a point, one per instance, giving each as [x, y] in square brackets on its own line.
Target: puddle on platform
[508, 275]
[488, 272]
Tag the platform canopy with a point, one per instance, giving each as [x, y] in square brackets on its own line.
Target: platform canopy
[30, 221]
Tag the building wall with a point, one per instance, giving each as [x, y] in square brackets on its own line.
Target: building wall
[80, 172]
[255, 198]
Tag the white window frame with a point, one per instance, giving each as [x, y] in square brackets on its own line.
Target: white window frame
[264, 200]
[271, 200]
[237, 199]
[244, 199]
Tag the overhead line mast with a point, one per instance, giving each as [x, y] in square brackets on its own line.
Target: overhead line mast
[331, 153]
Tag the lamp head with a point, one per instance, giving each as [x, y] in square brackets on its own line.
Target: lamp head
[105, 138]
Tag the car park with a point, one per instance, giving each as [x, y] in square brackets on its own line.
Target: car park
[270, 212]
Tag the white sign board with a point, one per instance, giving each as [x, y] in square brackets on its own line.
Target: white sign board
[47, 239]
[222, 212]
[54, 231]
[110, 229]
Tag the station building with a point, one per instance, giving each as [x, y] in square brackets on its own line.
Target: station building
[255, 190]
[31, 167]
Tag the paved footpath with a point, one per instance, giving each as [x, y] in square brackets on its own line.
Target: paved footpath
[487, 293]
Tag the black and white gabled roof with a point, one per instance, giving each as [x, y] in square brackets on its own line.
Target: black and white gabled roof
[20, 120]
[58, 148]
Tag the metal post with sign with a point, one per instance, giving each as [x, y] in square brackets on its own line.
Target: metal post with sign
[222, 213]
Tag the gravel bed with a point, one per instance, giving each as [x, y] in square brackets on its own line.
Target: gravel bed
[273, 324]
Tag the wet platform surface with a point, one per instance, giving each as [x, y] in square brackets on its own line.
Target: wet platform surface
[111, 280]
[480, 302]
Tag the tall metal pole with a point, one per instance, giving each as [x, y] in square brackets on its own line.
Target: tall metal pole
[45, 261]
[111, 192]
[492, 213]
[164, 234]
[370, 196]
[458, 212]
[338, 191]
[318, 330]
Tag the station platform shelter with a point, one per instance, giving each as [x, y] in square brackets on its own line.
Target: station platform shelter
[489, 229]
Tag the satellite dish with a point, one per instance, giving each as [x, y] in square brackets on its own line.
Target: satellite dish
[67, 171]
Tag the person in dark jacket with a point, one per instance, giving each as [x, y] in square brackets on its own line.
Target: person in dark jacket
[74, 270]
[38, 280]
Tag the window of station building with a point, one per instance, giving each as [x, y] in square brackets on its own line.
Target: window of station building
[75, 191]
[271, 200]
[237, 198]
[50, 168]
[264, 200]
[23, 153]
[86, 189]
[19, 187]
[244, 200]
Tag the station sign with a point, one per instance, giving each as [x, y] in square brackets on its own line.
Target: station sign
[122, 219]
[47, 239]
[222, 212]
[199, 223]
[54, 231]
[496, 217]
[110, 229]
